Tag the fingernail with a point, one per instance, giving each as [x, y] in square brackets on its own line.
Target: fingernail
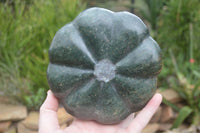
[48, 92]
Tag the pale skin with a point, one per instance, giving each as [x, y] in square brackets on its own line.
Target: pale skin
[48, 121]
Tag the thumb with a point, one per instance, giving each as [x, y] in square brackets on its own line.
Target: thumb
[48, 120]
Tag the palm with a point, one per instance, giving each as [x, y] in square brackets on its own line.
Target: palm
[80, 126]
[49, 123]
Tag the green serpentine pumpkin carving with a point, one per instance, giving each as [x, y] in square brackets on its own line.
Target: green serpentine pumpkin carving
[104, 65]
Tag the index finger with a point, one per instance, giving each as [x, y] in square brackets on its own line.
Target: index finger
[142, 119]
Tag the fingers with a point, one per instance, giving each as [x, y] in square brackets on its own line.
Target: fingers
[145, 115]
[125, 123]
[48, 121]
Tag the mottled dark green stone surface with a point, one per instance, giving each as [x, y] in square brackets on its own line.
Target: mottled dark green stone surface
[104, 65]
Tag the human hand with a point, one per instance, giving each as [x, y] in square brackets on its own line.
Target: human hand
[48, 121]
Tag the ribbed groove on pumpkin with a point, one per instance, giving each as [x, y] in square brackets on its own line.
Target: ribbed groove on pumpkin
[110, 105]
[88, 29]
[64, 79]
[75, 88]
[144, 61]
[83, 99]
[144, 33]
[122, 98]
[135, 89]
[84, 48]
[73, 53]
